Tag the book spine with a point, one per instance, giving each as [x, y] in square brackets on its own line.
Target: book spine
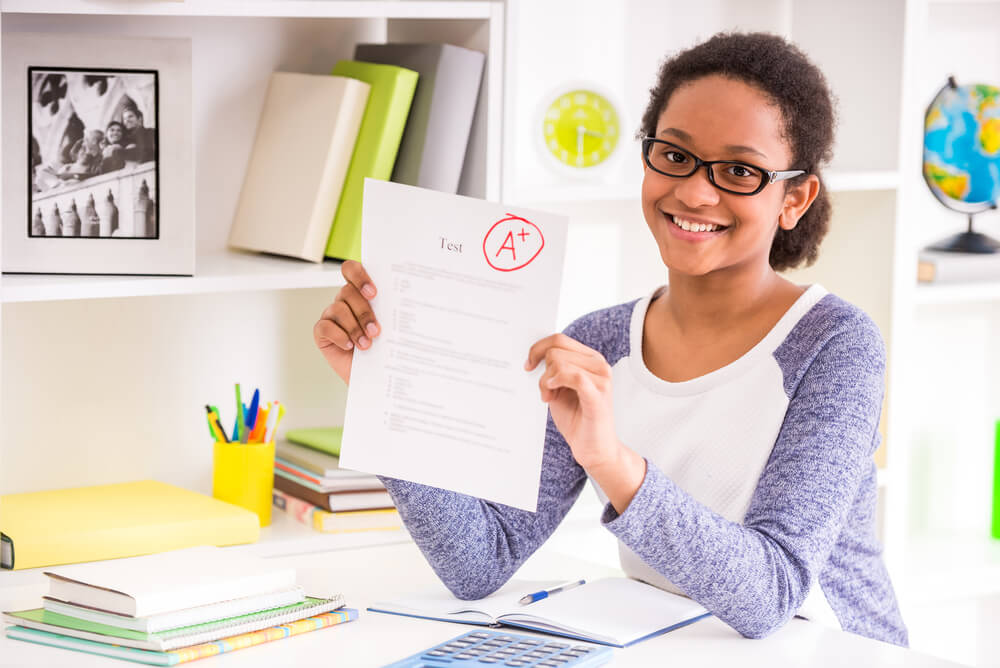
[300, 491]
[6, 552]
[303, 512]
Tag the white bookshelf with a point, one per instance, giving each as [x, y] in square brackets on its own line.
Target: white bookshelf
[131, 358]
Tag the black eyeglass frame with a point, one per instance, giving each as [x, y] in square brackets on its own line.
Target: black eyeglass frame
[767, 176]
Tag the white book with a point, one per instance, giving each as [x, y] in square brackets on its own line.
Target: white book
[946, 267]
[168, 581]
[305, 139]
[172, 620]
[610, 611]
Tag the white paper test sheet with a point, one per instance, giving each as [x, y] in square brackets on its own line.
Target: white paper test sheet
[465, 287]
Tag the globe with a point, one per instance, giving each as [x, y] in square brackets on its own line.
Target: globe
[961, 163]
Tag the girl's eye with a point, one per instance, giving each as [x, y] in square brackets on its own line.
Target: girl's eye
[741, 171]
[675, 156]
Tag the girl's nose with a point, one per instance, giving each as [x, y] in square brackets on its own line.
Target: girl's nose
[696, 190]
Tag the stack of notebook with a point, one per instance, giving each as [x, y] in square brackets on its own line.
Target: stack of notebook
[173, 607]
[310, 486]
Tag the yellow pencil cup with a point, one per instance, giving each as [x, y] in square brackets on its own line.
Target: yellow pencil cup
[243, 474]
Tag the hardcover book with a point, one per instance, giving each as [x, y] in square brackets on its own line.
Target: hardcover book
[944, 267]
[375, 152]
[332, 501]
[304, 144]
[437, 131]
[342, 522]
[168, 581]
[64, 526]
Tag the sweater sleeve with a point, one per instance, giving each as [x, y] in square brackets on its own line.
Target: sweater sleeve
[755, 575]
[474, 545]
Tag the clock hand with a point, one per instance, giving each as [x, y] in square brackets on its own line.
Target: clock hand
[580, 131]
[593, 133]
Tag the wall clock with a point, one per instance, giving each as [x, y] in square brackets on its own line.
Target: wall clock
[580, 129]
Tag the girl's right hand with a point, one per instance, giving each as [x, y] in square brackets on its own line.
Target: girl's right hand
[348, 322]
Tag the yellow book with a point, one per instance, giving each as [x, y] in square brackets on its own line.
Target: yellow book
[64, 526]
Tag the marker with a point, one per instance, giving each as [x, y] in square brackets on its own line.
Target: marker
[545, 593]
[272, 421]
[218, 433]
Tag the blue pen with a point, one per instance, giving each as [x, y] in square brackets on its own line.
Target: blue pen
[250, 417]
[545, 593]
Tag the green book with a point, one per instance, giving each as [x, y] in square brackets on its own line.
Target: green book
[381, 132]
[325, 439]
[161, 641]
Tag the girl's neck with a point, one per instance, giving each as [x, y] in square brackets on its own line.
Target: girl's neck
[707, 303]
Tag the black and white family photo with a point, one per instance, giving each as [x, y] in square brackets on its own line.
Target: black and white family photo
[93, 153]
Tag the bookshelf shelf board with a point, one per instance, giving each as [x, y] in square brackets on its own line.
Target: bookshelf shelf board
[956, 293]
[216, 271]
[397, 9]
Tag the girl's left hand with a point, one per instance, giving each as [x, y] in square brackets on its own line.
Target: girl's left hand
[577, 387]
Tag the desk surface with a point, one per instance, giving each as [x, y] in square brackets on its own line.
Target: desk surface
[366, 575]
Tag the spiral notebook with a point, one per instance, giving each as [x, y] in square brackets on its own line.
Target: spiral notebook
[162, 641]
[185, 654]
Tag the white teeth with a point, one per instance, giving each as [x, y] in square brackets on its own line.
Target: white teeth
[694, 227]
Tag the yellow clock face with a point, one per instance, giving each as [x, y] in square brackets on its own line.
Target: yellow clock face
[580, 128]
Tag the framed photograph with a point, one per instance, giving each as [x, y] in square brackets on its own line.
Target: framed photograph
[97, 155]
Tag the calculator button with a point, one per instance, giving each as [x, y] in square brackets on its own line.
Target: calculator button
[516, 663]
[465, 655]
[487, 659]
[478, 635]
[548, 664]
[583, 648]
[436, 652]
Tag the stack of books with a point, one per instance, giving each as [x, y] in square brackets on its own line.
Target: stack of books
[173, 607]
[399, 111]
[310, 486]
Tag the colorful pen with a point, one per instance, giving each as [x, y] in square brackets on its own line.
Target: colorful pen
[251, 415]
[241, 426]
[545, 593]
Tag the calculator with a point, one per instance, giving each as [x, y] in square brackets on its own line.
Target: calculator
[484, 649]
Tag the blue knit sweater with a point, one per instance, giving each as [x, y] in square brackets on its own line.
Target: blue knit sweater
[808, 520]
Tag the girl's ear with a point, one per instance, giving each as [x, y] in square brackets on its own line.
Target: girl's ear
[798, 199]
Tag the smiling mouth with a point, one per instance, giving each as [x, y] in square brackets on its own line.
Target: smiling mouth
[690, 226]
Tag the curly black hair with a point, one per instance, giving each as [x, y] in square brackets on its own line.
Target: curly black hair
[797, 87]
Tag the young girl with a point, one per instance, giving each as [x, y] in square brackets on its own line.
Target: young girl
[728, 418]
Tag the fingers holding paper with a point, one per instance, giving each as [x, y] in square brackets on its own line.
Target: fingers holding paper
[348, 322]
[576, 385]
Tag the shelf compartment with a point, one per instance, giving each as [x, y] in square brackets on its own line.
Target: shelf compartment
[218, 271]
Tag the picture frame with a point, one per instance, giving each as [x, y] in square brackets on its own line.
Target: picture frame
[98, 155]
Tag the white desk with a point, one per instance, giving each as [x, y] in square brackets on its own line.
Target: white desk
[366, 575]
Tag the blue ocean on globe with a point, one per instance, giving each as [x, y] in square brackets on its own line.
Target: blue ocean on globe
[962, 146]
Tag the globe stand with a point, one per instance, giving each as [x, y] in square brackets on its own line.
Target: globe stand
[967, 242]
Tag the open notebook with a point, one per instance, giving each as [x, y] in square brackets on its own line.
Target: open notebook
[612, 611]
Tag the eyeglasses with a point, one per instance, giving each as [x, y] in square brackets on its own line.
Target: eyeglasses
[732, 176]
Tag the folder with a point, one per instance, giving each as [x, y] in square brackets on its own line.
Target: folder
[64, 526]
